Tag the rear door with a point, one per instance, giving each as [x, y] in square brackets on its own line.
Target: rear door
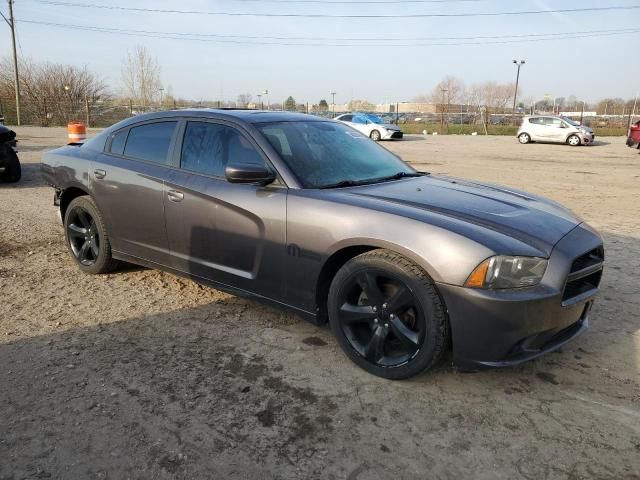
[233, 234]
[536, 128]
[127, 184]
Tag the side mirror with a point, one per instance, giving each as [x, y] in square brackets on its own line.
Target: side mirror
[249, 173]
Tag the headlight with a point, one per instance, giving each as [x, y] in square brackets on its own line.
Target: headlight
[507, 272]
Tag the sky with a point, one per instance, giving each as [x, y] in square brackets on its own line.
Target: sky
[378, 70]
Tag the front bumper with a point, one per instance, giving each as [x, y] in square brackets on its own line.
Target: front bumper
[392, 135]
[587, 138]
[497, 328]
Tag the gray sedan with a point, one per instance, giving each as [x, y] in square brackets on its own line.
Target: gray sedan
[310, 215]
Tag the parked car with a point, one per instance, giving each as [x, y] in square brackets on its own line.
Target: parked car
[371, 125]
[10, 169]
[307, 214]
[554, 129]
[633, 140]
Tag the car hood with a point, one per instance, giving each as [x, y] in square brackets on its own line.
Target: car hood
[533, 220]
[389, 126]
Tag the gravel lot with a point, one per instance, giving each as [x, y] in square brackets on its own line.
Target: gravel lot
[140, 374]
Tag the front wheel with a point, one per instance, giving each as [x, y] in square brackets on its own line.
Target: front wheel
[524, 138]
[87, 238]
[574, 140]
[387, 315]
[374, 135]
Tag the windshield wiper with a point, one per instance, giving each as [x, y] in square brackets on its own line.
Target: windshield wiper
[400, 175]
[346, 183]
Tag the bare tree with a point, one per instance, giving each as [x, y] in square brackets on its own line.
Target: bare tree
[454, 88]
[244, 99]
[54, 94]
[141, 77]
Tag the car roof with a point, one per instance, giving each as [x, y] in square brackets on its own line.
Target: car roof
[249, 116]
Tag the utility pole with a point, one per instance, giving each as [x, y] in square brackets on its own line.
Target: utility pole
[444, 120]
[333, 103]
[11, 24]
[515, 95]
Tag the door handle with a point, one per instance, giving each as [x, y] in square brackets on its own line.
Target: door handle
[175, 196]
[100, 173]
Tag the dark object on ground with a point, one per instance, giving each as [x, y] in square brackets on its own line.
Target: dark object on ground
[10, 170]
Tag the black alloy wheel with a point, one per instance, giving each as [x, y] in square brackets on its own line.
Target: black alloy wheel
[387, 315]
[87, 237]
[84, 238]
[381, 318]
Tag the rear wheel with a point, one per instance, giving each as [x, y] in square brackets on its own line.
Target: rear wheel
[574, 140]
[524, 138]
[387, 316]
[374, 135]
[87, 237]
[13, 171]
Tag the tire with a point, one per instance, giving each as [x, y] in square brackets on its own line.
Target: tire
[574, 140]
[403, 330]
[86, 237]
[375, 135]
[13, 171]
[524, 138]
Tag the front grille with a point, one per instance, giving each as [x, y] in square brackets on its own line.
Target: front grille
[585, 275]
[590, 258]
[396, 135]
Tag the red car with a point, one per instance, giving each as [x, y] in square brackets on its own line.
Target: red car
[634, 136]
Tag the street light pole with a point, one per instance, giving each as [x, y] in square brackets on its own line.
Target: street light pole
[12, 24]
[515, 95]
[333, 103]
[260, 101]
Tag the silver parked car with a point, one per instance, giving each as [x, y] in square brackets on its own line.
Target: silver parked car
[554, 129]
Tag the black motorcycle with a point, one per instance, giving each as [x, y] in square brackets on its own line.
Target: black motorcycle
[10, 170]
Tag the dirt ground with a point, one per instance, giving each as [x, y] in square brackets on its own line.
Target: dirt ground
[140, 374]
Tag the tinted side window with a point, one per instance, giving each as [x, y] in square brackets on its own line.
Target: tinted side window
[203, 148]
[118, 141]
[208, 148]
[241, 150]
[359, 120]
[536, 120]
[346, 118]
[150, 142]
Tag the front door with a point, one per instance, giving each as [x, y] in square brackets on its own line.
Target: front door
[233, 234]
[127, 185]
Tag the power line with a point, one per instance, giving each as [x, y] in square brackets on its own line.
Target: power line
[362, 2]
[323, 15]
[332, 39]
[433, 41]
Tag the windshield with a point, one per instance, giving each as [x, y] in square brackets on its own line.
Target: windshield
[570, 122]
[324, 154]
[374, 118]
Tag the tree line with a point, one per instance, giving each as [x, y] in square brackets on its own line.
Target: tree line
[55, 93]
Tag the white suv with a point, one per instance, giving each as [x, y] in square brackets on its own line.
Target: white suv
[554, 129]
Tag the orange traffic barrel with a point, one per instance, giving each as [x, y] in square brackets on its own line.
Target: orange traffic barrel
[77, 132]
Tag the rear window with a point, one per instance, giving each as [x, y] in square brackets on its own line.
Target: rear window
[150, 142]
[536, 120]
